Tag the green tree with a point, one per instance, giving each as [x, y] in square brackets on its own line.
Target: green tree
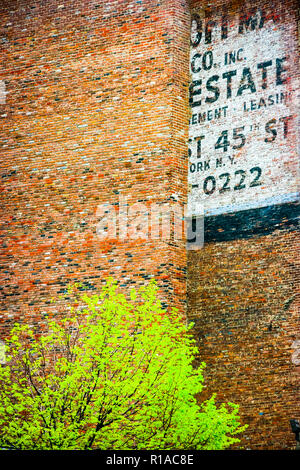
[114, 374]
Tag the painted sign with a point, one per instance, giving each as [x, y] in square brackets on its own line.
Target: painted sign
[243, 119]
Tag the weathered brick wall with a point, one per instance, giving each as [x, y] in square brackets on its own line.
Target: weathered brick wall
[244, 300]
[95, 112]
[243, 286]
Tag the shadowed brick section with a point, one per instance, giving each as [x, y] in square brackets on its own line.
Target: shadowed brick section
[243, 296]
[96, 108]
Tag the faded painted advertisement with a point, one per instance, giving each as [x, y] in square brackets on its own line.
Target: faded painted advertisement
[243, 122]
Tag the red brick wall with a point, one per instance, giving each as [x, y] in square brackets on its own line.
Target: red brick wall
[96, 108]
[243, 296]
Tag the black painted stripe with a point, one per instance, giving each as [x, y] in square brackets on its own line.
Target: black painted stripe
[251, 222]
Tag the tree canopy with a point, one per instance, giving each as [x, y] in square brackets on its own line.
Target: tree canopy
[115, 372]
